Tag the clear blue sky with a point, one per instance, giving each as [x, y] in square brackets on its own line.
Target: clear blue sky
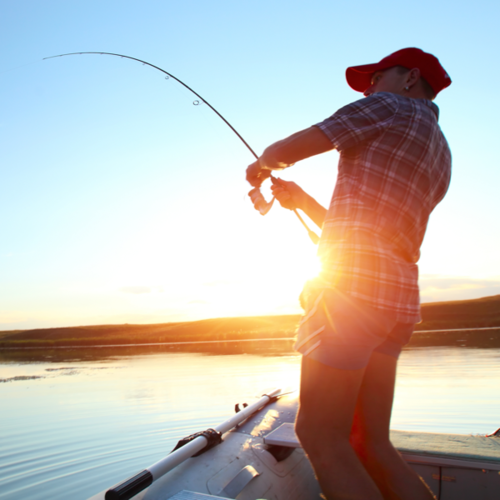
[123, 202]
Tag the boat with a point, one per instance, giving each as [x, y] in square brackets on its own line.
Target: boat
[255, 455]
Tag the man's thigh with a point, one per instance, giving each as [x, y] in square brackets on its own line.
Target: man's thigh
[375, 397]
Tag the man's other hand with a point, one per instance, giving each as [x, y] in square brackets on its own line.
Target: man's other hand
[289, 194]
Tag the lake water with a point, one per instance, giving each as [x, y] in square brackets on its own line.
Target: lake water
[73, 422]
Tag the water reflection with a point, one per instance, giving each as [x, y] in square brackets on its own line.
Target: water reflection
[85, 418]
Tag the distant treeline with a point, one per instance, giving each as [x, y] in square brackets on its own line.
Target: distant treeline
[465, 314]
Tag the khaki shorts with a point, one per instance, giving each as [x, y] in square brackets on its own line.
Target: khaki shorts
[342, 331]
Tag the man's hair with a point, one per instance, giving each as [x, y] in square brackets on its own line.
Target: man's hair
[428, 90]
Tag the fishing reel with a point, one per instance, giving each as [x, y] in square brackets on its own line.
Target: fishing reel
[263, 207]
[259, 202]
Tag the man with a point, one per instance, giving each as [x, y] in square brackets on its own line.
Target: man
[394, 168]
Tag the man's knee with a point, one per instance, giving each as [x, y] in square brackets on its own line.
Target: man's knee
[313, 432]
[301, 427]
[307, 432]
[368, 448]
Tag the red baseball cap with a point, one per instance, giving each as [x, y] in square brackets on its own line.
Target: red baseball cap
[359, 77]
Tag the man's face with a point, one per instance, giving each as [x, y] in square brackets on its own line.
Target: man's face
[388, 80]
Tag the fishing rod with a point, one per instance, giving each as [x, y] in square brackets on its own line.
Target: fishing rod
[256, 196]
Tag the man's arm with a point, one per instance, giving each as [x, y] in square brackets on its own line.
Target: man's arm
[282, 154]
[299, 146]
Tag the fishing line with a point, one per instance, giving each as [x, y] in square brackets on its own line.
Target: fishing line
[314, 237]
[18, 67]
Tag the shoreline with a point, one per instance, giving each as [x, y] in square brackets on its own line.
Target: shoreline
[474, 323]
[484, 337]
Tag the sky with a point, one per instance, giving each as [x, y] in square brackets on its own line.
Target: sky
[124, 202]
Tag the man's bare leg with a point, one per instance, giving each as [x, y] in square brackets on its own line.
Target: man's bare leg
[370, 434]
[328, 399]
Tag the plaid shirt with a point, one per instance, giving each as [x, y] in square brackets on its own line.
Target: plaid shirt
[394, 168]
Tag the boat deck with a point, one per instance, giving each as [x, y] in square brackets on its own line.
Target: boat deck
[476, 451]
[453, 446]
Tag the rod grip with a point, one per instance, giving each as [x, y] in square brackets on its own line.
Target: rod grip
[130, 487]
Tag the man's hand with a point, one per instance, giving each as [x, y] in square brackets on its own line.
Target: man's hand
[256, 175]
[289, 194]
[292, 196]
[259, 171]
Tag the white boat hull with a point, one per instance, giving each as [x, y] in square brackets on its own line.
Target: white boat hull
[262, 459]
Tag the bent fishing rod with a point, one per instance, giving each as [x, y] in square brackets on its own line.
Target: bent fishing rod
[262, 206]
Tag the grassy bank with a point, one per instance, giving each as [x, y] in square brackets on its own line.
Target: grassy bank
[254, 327]
[472, 314]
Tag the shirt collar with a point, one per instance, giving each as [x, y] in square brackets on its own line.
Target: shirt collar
[431, 105]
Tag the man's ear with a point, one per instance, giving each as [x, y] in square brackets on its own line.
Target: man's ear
[413, 76]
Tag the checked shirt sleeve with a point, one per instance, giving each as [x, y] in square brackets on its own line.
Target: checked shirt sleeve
[360, 121]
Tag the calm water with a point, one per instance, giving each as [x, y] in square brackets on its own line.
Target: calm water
[73, 422]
